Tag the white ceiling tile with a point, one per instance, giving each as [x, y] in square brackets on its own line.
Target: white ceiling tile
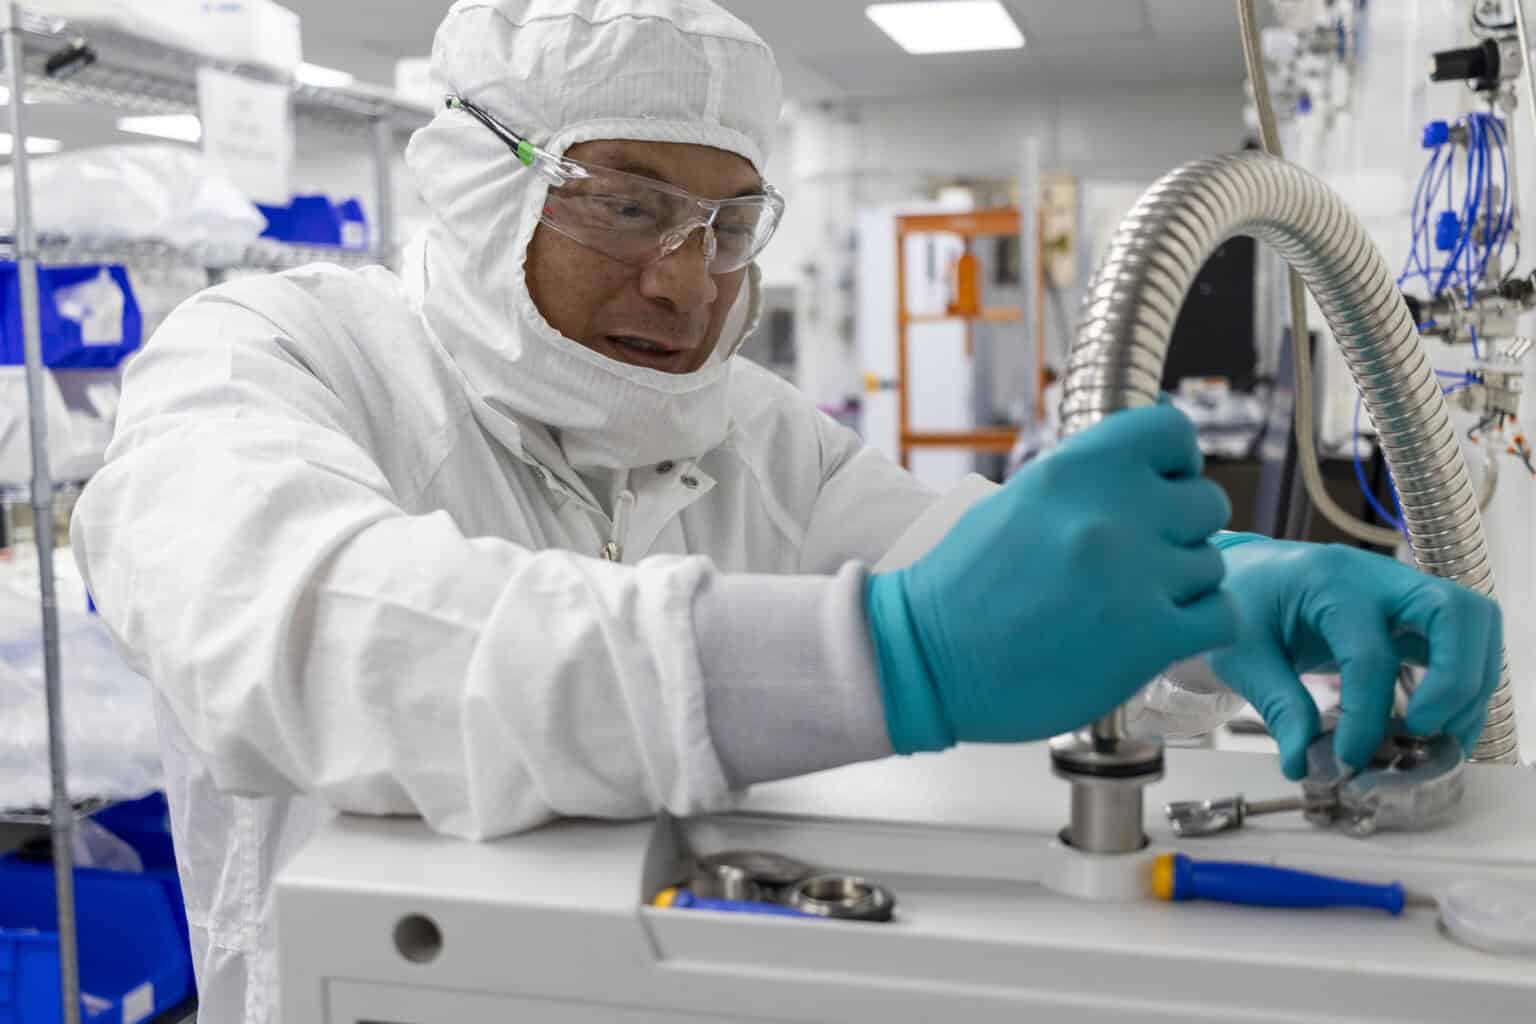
[829, 48]
[814, 26]
[867, 75]
[1047, 20]
[803, 82]
[1175, 16]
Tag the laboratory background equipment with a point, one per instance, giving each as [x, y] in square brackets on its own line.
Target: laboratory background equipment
[113, 59]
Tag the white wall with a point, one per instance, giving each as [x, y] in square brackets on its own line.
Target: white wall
[346, 171]
[779, 262]
[1146, 131]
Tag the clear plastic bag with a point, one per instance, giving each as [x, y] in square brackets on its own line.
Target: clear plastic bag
[1184, 701]
[95, 847]
[162, 192]
[109, 719]
[80, 408]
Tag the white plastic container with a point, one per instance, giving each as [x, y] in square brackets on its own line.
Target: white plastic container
[244, 31]
[415, 83]
[158, 19]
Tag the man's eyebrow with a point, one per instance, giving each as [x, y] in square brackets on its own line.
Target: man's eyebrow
[636, 165]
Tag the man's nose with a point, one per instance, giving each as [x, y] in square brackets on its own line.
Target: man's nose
[681, 279]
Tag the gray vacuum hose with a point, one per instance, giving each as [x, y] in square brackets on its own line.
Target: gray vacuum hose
[1117, 359]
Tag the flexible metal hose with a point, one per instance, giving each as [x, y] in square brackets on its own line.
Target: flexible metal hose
[1117, 359]
[1301, 346]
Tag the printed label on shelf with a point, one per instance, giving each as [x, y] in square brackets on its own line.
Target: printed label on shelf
[248, 133]
[97, 306]
[139, 1004]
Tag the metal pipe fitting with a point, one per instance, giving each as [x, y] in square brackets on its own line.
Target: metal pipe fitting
[1107, 778]
[1117, 359]
[1106, 818]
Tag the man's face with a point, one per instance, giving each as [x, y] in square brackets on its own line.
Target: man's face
[666, 316]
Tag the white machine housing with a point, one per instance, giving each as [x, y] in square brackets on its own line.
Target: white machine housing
[555, 925]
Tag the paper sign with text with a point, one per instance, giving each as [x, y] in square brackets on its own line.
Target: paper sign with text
[248, 133]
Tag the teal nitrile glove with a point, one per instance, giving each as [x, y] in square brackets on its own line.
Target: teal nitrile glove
[1305, 607]
[1057, 597]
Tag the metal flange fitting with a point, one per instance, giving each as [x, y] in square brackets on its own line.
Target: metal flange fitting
[1107, 778]
[1413, 782]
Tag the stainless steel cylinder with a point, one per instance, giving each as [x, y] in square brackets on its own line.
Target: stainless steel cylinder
[1107, 778]
[1117, 358]
[1106, 817]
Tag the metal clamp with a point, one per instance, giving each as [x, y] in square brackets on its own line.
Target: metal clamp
[1413, 782]
[1194, 818]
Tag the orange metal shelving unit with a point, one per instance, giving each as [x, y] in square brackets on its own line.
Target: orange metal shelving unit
[971, 225]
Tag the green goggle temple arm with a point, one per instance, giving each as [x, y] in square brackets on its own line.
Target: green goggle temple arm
[526, 152]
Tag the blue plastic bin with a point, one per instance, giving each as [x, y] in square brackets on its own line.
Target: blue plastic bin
[133, 962]
[65, 346]
[145, 825]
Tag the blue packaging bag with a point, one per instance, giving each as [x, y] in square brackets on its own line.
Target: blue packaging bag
[316, 220]
[307, 220]
[90, 317]
[279, 222]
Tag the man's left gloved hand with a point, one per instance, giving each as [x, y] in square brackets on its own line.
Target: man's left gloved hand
[1305, 607]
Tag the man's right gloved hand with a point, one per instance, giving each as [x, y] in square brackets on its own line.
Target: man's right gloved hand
[1053, 600]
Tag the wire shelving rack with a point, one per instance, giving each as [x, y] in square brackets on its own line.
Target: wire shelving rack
[101, 65]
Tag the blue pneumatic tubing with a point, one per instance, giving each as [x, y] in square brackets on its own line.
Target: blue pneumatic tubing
[685, 899]
[1262, 885]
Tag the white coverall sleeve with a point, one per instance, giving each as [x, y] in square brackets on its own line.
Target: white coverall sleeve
[310, 635]
[794, 684]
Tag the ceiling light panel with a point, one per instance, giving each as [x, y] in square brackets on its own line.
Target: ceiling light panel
[36, 144]
[948, 26]
[323, 77]
[181, 127]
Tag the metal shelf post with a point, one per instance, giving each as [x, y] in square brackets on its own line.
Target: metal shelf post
[382, 141]
[61, 817]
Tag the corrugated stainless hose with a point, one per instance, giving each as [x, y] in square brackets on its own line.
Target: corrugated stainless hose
[1117, 359]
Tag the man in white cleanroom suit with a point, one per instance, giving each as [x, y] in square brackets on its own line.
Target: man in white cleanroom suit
[514, 535]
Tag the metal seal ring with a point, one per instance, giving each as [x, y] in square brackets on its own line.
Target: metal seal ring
[843, 897]
[760, 866]
[722, 881]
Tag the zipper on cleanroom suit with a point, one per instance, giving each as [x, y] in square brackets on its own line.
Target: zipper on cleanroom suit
[613, 551]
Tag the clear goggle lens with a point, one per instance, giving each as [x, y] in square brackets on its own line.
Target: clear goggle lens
[638, 221]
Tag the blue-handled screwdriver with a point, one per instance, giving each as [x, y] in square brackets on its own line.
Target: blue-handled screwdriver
[684, 899]
[1178, 877]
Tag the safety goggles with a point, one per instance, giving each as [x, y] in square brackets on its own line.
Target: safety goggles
[635, 219]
